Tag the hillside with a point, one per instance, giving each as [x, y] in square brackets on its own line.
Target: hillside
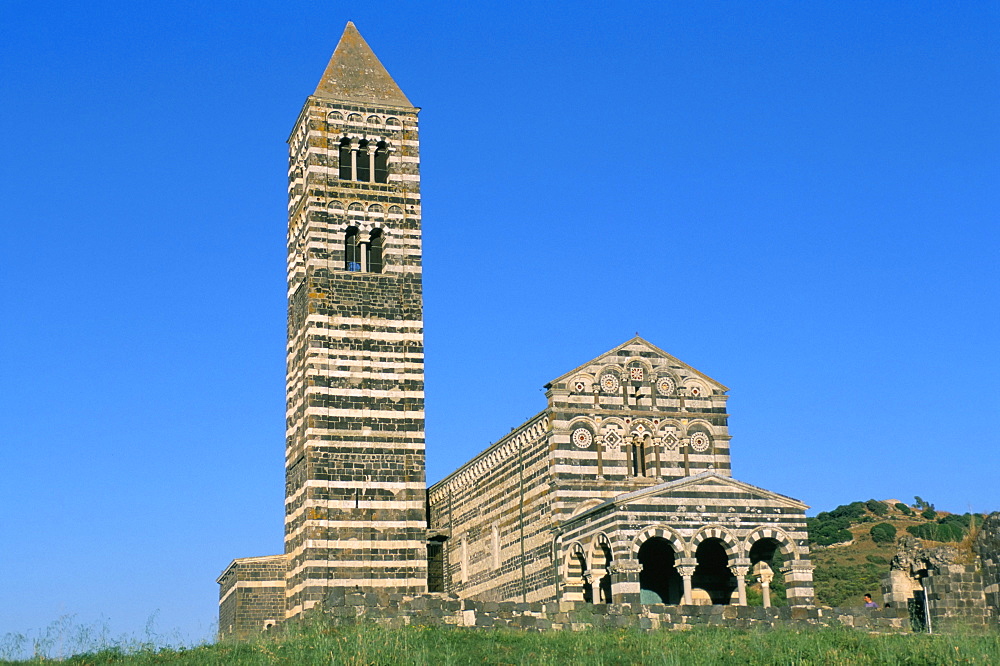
[850, 559]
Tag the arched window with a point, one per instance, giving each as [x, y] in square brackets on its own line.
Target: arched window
[352, 251]
[382, 163]
[639, 455]
[375, 252]
[346, 160]
[364, 169]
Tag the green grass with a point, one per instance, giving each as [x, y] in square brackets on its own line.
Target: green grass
[413, 645]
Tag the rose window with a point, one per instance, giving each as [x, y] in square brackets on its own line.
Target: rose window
[699, 442]
[610, 383]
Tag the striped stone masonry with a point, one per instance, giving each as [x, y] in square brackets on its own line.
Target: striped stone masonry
[355, 488]
[619, 491]
[251, 595]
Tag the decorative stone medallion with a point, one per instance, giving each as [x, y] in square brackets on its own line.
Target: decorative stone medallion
[665, 385]
[612, 439]
[699, 442]
[582, 438]
[579, 386]
[610, 383]
[670, 441]
[695, 391]
[635, 373]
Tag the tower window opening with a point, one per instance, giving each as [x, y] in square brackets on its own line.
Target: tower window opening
[364, 169]
[375, 252]
[638, 457]
[382, 163]
[352, 250]
[346, 159]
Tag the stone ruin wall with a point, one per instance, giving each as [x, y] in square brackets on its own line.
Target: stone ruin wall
[988, 550]
[944, 586]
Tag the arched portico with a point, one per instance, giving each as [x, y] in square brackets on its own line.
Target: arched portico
[659, 580]
[577, 585]
[601, 561]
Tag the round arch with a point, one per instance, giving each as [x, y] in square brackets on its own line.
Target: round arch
[785, 543]
[662, 531]
[585, 506]
[734, 548]
[696, 425]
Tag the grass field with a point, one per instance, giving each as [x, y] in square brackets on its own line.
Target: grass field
[414, 645]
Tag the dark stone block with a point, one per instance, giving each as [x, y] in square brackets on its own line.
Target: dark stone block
[334, 597]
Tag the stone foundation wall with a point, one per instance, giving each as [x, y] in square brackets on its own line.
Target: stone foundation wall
[348, 608]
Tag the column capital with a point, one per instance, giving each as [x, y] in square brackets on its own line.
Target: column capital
[797, 566]
[686, 571]
[624, 565]
[740, 571]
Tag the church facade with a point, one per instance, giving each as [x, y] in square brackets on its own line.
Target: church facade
[619, 491]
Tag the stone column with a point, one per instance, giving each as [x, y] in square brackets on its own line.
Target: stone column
[372, 147]
[625, 581]
[799, 582]
[766, 576]
[740, 570]
[686, 567]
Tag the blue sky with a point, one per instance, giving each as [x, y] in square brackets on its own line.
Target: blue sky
[798, 199]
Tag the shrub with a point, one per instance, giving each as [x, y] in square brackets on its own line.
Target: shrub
[905, 510]
[876, 507]
[824, 532]
[877, 559]
[883, 533]
[948, 531]
[929, 513]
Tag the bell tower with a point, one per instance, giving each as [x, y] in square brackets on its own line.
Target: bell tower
[355, 488]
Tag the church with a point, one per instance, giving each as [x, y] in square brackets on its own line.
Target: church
[619, 491]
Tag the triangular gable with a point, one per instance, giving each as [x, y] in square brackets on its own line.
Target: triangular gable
[706, 481]
[650, 347]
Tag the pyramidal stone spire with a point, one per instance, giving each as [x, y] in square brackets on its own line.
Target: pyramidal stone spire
[355, 74]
